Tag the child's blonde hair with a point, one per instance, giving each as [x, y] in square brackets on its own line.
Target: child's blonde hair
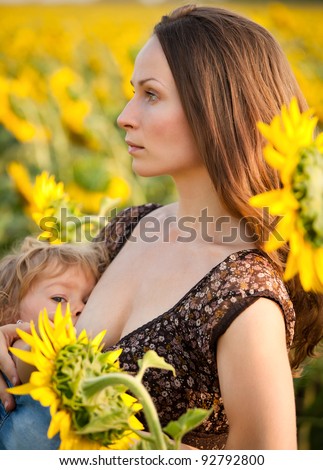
[19, 270]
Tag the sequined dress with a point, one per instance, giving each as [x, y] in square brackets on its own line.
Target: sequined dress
[187, 334]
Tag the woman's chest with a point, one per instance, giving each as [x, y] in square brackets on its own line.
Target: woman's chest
[150, 278]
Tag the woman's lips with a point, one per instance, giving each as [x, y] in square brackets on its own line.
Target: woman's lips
[132, 147]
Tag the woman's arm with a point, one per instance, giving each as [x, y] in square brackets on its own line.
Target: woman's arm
[256, 381]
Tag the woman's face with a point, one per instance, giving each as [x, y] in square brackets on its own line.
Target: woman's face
[157, 132]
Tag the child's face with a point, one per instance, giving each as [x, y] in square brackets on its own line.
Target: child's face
[73, 285]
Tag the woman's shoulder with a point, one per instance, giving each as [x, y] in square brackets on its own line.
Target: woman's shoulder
[251, 272]
[248, 275]
[120, 226]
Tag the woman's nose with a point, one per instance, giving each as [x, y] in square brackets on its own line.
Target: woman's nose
[127, 119]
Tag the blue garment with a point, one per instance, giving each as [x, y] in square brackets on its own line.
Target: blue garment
[26, 427]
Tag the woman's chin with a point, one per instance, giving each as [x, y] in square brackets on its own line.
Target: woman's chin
[145, 171]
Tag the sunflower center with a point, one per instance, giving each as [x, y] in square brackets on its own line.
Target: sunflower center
[308, 190]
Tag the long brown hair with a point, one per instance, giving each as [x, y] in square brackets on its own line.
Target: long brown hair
[231, 73]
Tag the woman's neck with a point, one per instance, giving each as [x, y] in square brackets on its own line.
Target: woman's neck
[200, 209]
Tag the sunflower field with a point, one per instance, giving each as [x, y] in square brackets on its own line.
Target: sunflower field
[64, 78]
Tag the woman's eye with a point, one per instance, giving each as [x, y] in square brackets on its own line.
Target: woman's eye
[151, 96]
[58, 299]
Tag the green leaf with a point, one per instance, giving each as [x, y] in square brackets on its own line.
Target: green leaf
[188, 421]
[151, 359]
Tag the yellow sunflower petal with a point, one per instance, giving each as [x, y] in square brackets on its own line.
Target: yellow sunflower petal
[83, 336]
[114, 355]
[75, 442]
[60, 422]
[130, 401]
[291, 267]
[38, 343]
[134, 423]
[318, 260]
[278, 137]
[43, 333]
[24, 389]
[288, 122]
[269, 199]
[48, 328]
[273, 243]
[44, 395]
[296, 242]
[40, 379]
[96, 342]
[64, 329]
[306, 263]
[282, 232]
[26, 356]
[307, 137]
[58, 318]
[274, 158]
[286, 225]
[288, 170]
[26, 337]
[265, 130]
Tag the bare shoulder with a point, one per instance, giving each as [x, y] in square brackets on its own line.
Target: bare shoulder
[256, 380]
[260, 323]
[259, 334]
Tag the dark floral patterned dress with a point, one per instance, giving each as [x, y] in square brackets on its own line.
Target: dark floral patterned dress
[187, 334]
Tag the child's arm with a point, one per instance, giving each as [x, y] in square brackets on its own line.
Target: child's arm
[8, 335]
[24, 370]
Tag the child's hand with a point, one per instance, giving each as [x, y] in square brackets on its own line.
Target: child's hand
[24, 370]
[8, 335]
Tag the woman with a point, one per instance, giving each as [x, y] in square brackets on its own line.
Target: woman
[190, 279]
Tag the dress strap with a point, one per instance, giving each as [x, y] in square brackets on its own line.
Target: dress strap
[118, 230]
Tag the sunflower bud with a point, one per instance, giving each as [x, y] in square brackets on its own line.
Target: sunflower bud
[103, 417]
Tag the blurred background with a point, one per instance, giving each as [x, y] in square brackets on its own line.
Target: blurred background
[64, 77]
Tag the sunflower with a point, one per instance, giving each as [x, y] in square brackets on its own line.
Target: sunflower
[47, 194]
[64, 362]
[44, 199]
[297, 155]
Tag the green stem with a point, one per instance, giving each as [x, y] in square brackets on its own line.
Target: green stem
[92, 386]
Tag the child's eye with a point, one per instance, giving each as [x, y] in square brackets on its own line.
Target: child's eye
[58, 299]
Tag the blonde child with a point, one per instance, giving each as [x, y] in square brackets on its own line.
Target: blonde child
[36, 276]
[40, 275]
